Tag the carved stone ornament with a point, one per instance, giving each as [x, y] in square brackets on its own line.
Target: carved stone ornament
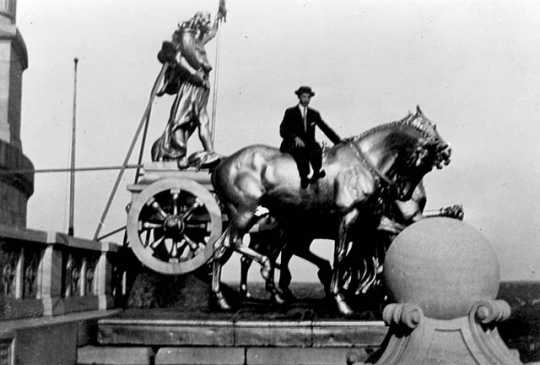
[428, 326]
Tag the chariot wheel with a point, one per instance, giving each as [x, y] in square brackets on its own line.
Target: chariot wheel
[172, 225]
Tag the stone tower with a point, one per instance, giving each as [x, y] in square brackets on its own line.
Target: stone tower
[15, 189]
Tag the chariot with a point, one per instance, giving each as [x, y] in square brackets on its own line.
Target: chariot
[173, 218]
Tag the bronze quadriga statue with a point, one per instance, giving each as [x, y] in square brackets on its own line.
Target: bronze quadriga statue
[363, 173]
[175, 221]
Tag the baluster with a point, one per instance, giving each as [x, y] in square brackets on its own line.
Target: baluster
[103, 278]
[19, 275]
[82, 277]
[50, 274]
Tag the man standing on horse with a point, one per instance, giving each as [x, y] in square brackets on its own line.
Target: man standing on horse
[187, 77]
[298, 132]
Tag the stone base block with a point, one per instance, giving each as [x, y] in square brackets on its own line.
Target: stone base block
[200, 356]
[166, 332]
[303, 356]
[103, 355]
[273, 333]
[229, 333]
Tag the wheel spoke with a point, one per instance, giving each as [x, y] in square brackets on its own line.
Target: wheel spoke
[156, 242]
[189, 212]
[183, 254]
[148, 226]
[174, 249]
[147, 238]
[154, 204]
[175, 195]
[182, 246]
[197, 225]
[192, 244]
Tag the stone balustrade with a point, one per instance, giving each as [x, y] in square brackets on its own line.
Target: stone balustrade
[51, 274]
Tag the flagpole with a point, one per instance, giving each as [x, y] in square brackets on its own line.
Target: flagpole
[71, 229]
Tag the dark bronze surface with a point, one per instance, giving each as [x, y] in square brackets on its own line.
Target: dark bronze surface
[187, 77]
[381, 165]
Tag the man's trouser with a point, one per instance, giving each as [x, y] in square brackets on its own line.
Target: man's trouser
[311, 154]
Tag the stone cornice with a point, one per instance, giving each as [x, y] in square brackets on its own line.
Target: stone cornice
[12, 33]
[12, 158]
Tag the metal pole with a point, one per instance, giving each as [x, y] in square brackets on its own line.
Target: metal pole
[73, 139]
[141, 151]
[130, 150]
[214, 93]
[78, 169]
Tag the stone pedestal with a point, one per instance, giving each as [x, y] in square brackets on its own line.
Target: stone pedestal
[444, 277]
[154, 290]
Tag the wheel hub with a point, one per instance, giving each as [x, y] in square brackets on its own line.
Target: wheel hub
[174, 224]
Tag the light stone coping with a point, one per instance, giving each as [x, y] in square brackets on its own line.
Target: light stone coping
[56, 238]
[167, 322]
[9, 326]
[241, 323]
[348, 323]
[252, 323]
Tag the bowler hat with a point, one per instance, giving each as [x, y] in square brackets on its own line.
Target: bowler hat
[304, 90]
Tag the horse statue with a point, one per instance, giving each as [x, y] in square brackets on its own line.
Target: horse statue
[365, 262]
[363, 272]
[385, 163]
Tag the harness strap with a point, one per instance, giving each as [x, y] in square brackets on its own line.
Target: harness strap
[381, 181]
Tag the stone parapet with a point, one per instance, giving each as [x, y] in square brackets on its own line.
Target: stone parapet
[50, 273]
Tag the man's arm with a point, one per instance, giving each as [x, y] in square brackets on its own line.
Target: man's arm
[284, 128]
[328, 132]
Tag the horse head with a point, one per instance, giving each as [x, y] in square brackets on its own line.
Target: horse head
[429, 150]
[432, 150]
[402, 152]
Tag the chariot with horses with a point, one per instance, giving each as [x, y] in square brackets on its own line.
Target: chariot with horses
[189, 212]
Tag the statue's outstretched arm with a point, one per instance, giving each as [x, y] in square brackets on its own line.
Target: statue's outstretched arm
[221, 16]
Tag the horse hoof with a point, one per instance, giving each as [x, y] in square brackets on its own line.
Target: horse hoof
[245, 295]
[222, 302]
[343, 307]
[244, 292]
[278, 299]
[266, 268]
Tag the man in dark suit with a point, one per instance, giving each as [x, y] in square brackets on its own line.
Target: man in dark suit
[298, 132]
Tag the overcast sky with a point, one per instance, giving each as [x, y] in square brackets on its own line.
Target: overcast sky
[473, 67]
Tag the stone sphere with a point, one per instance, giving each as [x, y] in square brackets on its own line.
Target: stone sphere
[443, 265]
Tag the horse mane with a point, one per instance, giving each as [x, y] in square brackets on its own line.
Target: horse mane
[381, 127]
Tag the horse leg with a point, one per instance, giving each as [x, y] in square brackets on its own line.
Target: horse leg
[340, 251]
[222, 249]
[267, 268]
[245, 264]
[325, 269]
[243, 221]
[272, 244]
[216, 278]
[285, 276]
